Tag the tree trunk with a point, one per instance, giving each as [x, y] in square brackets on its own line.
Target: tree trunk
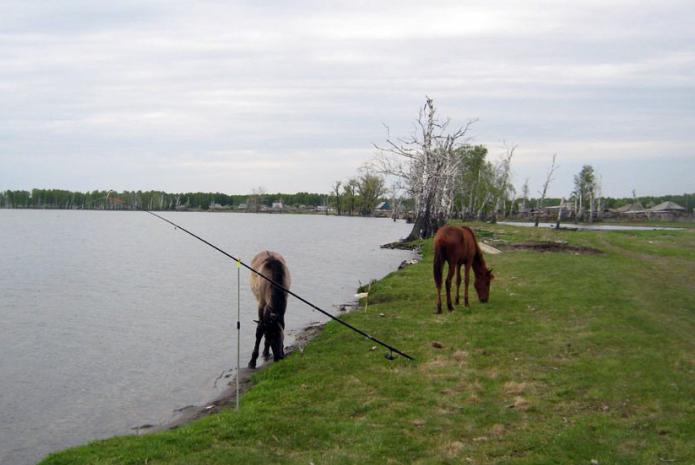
[591, 207]
[559, 214]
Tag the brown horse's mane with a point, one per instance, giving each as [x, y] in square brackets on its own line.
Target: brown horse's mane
[479, 265]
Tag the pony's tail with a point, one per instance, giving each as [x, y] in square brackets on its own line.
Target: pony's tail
[278, 300]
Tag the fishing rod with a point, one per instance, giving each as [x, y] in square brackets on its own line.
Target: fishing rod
[281, 287]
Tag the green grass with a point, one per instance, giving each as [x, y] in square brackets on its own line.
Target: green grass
[575, 358]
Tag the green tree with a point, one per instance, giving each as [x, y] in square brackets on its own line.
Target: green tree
[350, 194]
[585, 190]
[370, 187]
[336, 193]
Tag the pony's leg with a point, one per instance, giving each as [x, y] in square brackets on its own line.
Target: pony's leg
[266, 350]
[254, 355]
[278, 348]
[466, 279]
[449, 277]
[458, 282]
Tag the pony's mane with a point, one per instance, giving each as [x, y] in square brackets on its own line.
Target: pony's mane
[278, 299]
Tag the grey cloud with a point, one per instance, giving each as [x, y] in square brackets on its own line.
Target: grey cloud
[156, 91]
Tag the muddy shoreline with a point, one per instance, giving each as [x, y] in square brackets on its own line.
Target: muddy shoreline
[227, 398]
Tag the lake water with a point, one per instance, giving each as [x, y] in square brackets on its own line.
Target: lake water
[111, 320]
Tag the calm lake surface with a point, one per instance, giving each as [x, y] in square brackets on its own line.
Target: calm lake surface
[112, 320]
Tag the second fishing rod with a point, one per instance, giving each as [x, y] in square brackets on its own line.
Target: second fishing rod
[279, 286]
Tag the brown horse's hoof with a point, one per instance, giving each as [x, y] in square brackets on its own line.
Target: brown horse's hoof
[252, 365]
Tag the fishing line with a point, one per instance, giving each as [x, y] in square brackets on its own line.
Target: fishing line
[279, 286]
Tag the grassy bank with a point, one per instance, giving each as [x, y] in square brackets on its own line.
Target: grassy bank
[577, 357]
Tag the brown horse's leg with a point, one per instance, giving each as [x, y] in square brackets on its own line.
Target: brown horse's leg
[465, 283]
[254, 355]
[449, 276]
[437, 271]
[458, 282]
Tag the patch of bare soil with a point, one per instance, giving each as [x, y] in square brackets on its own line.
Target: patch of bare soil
[559, 246]
[402, 245]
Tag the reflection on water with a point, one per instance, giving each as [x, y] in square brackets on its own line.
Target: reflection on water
[111, 320]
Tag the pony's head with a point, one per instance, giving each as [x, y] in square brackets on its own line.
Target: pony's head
[274, 333]
[482, 285]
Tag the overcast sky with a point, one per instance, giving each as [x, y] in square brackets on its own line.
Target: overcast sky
[227, 96]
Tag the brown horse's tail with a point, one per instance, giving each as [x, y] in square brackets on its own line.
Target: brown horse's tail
[278, 299]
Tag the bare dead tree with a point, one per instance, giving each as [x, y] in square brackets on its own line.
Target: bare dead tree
[559, 213]
[336, 192]
[524, 194]
[395, 191]
[548, 179]
[502, 173]
[427, 163]
[255, 200]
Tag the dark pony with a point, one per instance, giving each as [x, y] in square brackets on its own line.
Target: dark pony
[272, 303]
[457, 246]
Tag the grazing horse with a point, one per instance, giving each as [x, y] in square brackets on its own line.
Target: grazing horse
[457, 246]
[272, 303]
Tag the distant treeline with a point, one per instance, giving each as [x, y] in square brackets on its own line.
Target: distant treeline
[151, 200]
[158, 200]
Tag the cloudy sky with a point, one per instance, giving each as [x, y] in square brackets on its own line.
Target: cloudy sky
[227, 96]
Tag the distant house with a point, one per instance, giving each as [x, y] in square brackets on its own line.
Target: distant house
[525, 210]
[630, 209]
[667, 207]
[565, 209]
[383, 209]
[666, 211]
[663, 211]
[278, 205]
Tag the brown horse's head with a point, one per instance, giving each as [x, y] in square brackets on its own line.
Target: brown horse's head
[482, 285]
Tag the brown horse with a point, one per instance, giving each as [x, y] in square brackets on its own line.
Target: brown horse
[272, 303]
[457, 246]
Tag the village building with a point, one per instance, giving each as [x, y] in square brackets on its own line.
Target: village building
[629, 209]
[666, 211]
[383, 209]
[565, 210]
